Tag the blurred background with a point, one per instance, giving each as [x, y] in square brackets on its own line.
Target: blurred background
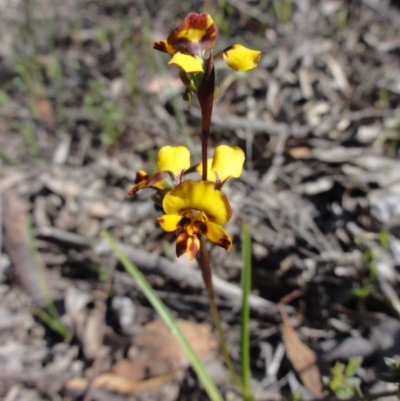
[85, 103]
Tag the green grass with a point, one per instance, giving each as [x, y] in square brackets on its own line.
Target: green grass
[245, 313]
[48, 316]
[283, 10]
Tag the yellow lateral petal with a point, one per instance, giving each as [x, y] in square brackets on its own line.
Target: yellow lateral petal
[189, 63]
[174, 159]
[169, 222]
[198, 195]
[228, 162]
[240, 58]
[217, 235]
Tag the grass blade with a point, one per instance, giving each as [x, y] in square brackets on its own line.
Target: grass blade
[245, 316]
[166, 315]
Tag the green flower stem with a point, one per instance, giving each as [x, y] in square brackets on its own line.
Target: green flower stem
[205, 267]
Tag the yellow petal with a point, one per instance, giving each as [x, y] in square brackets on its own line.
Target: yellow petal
[199, 169]
[227, 162]
[187, 243]
[201, 196]
[189, 63]
[169, 222]
[217, 235]
[240, 58]
[173, 159]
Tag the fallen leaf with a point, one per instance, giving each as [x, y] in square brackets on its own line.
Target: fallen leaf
[154, 359]
[301, 152]
[132, 370]
[158, 351]
[302, 357]
[118, 384]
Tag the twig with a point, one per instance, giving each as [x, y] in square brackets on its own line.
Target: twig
[65, 237]
[159, 265]
[17, 246]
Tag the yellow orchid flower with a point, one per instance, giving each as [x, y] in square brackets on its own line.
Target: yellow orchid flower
[172, 162]
[193, 208]
[227, 162]
[197, 33]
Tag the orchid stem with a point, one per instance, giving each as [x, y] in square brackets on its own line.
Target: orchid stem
[205, 94]
[204, 146]
[205, 267]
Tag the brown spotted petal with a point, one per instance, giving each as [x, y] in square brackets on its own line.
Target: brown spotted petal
[141, 182]
[187, 243]
[197, 33]
[216, 234]
[163, 46]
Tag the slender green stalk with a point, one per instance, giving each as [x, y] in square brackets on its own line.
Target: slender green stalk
[166, 315]
[52, 322]
[245, 315]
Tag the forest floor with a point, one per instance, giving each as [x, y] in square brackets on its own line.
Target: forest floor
[85, 103]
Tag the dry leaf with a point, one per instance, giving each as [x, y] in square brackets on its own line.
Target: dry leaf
[118, 384]
[157, 350]
[302, 358]
[153, 360]
[301, 152]
[132, 370]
